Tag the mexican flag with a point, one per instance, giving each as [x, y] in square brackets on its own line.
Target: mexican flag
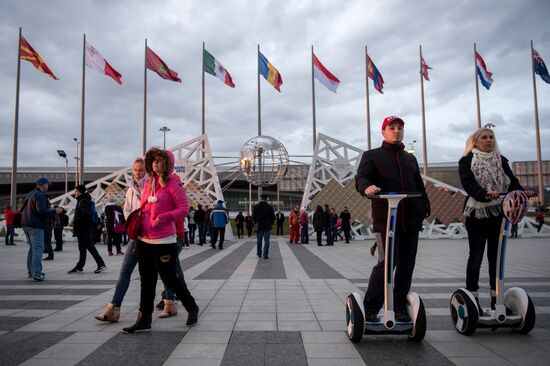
[213, 67]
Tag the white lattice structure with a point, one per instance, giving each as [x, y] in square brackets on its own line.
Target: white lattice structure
[193, 164]
[334, 160]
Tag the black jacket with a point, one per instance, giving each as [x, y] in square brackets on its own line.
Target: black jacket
[469, 182]
[346, 220]
[82, 221]
[319, 221]
[36, 212]
[393, 170]
[263, 215]
[200, 216]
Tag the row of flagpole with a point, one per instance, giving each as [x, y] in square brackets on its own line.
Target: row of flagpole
[152, 62]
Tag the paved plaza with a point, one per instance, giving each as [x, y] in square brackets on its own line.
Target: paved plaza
[288, 310]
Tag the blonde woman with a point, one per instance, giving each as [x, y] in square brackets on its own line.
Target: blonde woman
[484, 174]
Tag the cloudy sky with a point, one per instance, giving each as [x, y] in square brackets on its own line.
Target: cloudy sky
[339, 30]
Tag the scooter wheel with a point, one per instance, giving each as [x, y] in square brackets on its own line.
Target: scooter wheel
[419, 327]
[529, 319]
[464, 313]
[354, 320]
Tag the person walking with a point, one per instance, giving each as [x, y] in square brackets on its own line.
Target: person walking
[35, 214]
[163, 202]
[263, 215]
[345, 216]
[112, 219]
[249, 223]
[294, 223]
[280, 218]
[319, 223]
[484, 174]
[82, 229]
[239, 223]
[304, 226]
[132, 202]
[200, 219]
[219, 219]
[192, 224]
[10, 228]
[390, 168]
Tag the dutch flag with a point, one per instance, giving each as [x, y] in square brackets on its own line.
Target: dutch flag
[485, 76]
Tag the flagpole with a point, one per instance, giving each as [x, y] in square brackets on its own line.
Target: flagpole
[424, 148]
[477, 89]
[367, 94]
[203, 130]
[144, 142]
[259, 98]
[13, 193]
[537, 130]
[81, 172]
[313, 102]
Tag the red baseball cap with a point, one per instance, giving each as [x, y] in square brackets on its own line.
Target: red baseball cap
[391, 119]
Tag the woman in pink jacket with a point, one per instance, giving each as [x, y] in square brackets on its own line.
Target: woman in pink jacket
[164, 201]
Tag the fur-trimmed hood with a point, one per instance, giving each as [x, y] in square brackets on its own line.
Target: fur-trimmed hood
[166, 156]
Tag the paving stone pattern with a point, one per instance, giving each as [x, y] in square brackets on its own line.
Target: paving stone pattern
[287, 310]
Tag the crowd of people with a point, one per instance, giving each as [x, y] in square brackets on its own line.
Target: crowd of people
[169, 224]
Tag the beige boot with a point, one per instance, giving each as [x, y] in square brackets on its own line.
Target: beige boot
[111, 314]
[170, 309]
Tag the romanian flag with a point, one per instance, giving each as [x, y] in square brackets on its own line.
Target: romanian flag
[156, 64]
[26, 52]
[270, 73]
[375, 75]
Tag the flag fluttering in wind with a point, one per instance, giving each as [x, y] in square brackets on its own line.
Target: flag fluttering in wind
[424, 69]
[156, 64]
[375, 75]
[270, 73]
[324, 76]
[540, 67]
[95, 61]
[27, 53]
[485, 76]
[213, 67]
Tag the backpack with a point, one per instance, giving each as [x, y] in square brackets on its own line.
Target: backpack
[93, 213]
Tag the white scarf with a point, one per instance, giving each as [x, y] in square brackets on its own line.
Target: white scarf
[489, 174]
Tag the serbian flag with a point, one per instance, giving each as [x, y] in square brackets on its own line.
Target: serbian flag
[324, 76]
[270, 73]
[95, 61]
[156, 64]
[213, 67]
[27, 53]
[375, 75]
[424, 69]
[485, 76]
[540, 67]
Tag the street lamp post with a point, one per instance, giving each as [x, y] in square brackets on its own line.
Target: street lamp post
[164, 130]
[77, 160]
[63, 154]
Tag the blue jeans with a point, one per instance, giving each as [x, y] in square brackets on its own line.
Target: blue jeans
[128, 264]
[35, 239]
[10, 232]
[202, 233]
[304, 231]
[265, 234]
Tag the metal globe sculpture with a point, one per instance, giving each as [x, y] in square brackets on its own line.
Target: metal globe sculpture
[263, 160]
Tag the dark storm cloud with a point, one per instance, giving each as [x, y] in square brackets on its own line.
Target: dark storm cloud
[339, 31]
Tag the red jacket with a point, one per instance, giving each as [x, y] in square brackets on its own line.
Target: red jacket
[8, 216]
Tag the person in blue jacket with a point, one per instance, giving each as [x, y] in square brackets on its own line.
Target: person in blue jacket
[219, 219]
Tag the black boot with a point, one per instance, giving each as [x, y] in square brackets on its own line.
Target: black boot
[192, 317]
[142, 324]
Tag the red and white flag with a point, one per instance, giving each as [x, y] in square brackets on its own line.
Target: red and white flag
[95, 61]
[424, 69]
[324, 76]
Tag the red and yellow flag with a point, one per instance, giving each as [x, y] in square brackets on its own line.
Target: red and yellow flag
[26, 52]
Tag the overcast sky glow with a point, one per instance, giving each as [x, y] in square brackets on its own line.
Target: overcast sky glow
[49, 116]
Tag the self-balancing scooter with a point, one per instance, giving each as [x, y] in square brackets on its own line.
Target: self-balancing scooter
[514, 308]
[386, 323]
